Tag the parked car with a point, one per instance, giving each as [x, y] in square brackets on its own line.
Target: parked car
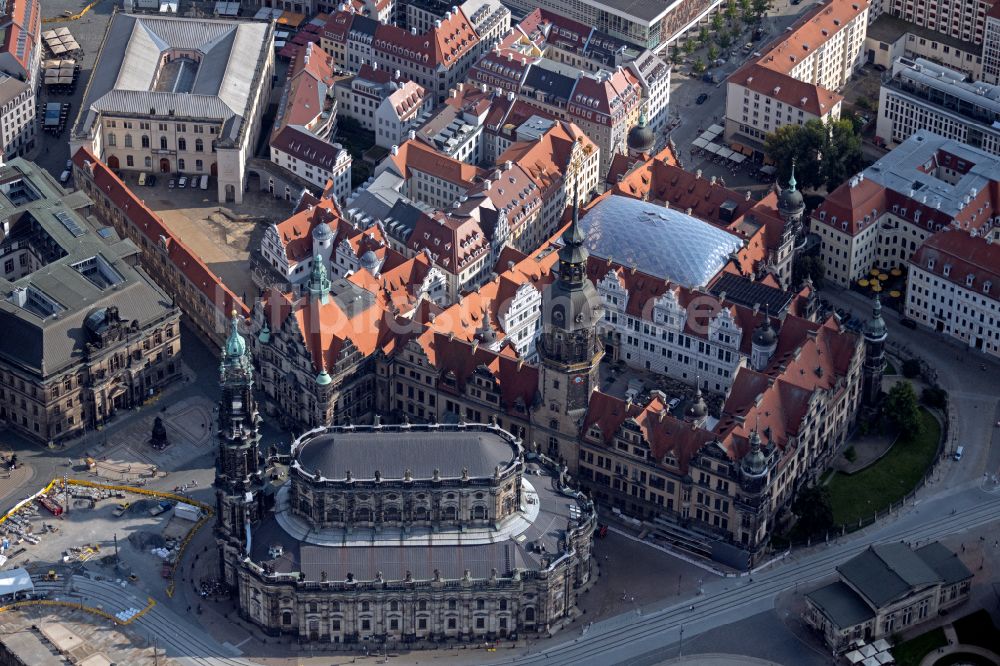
[702, 98]
[171, 184]
[64, 176]
[142, 178]
[748, 47]
[906, 322]
[673, 403]
[182, 183]
[151, 180]
[69, 164]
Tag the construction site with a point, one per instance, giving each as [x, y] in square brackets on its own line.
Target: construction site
[125, 541]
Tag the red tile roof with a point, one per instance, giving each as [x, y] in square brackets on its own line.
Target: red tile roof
[663, 433]
[443, 45]
[195, 271]
[782, 87]
[964, 255]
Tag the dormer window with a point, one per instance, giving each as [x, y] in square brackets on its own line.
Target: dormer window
[930, 264]
[986, 287]
[947, 270]
[969, 279]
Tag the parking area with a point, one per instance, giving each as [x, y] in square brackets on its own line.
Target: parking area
[223, 236]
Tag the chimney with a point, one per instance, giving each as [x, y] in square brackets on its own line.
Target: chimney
[460, 86]
[394, 150]
[412, 134]
[697, 174]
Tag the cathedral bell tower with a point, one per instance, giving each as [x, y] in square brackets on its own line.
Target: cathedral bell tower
[238, 474]
[569, 348]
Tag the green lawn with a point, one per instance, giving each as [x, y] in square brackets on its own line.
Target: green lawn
[978, 629]
[874, 488]
[909, 653]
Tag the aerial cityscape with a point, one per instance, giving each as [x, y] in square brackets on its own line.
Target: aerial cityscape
[503, 332]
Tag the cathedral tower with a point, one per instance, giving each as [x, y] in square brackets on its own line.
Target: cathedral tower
[238, 477]
[875, 334]
[568, 347]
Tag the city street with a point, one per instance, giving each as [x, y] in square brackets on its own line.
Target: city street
[685, 90]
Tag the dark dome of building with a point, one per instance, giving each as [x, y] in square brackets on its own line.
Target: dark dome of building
[790, 201]
[392, 452]
[641, 139]
[765, 335]
[699, 407]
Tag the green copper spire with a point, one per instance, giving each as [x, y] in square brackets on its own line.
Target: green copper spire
[236, 346]
[319, 281]
[791, 179]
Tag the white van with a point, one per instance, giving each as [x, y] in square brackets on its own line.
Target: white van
[958, 452]
[204, 182]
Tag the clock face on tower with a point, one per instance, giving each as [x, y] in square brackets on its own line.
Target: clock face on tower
[578, 379]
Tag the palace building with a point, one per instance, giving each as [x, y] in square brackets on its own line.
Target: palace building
[86, 333]
[402, 533]
[175, 95]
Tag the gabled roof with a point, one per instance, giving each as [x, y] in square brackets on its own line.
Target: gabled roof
[447, 41]
[886, 572]
[780, 86]
[663, 433]
[963, 256]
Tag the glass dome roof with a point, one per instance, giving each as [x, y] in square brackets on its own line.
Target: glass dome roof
[660, 241]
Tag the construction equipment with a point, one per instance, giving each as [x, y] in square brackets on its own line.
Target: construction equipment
[120, 509]
[53, 506]
[51, 575]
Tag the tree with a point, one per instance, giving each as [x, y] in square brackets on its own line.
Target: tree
[824, 155]
[698, 66]
[724, 39]
[716, 22]
[808, 266]
[760, 7]
[841, 154]
[689, 47]
[802, 144]
[732, 12]
[713, 53]
[911, 368]
[703, 36]
[902, 410]
[812, 506]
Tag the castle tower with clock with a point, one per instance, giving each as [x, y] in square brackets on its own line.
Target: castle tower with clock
[569, 348]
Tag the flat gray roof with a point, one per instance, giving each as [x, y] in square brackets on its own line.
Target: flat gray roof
[364, 561]
[645, 11]
[391, 453]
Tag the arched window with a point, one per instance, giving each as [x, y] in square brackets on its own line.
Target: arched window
[529, 614]
[163, 143]
[286, 617]
[112, 140]
[199, 145]
[128, 140]
[145, 141]
[180, 165]
[182, 144]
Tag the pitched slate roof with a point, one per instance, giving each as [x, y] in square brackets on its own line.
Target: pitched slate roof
[886, 572]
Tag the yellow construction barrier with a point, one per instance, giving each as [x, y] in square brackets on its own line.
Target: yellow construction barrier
[139, 491]
[72, 17]
[150, 602]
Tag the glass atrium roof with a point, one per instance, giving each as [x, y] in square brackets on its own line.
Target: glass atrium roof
[660, 241]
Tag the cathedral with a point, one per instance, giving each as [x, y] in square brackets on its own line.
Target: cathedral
[397, 533]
